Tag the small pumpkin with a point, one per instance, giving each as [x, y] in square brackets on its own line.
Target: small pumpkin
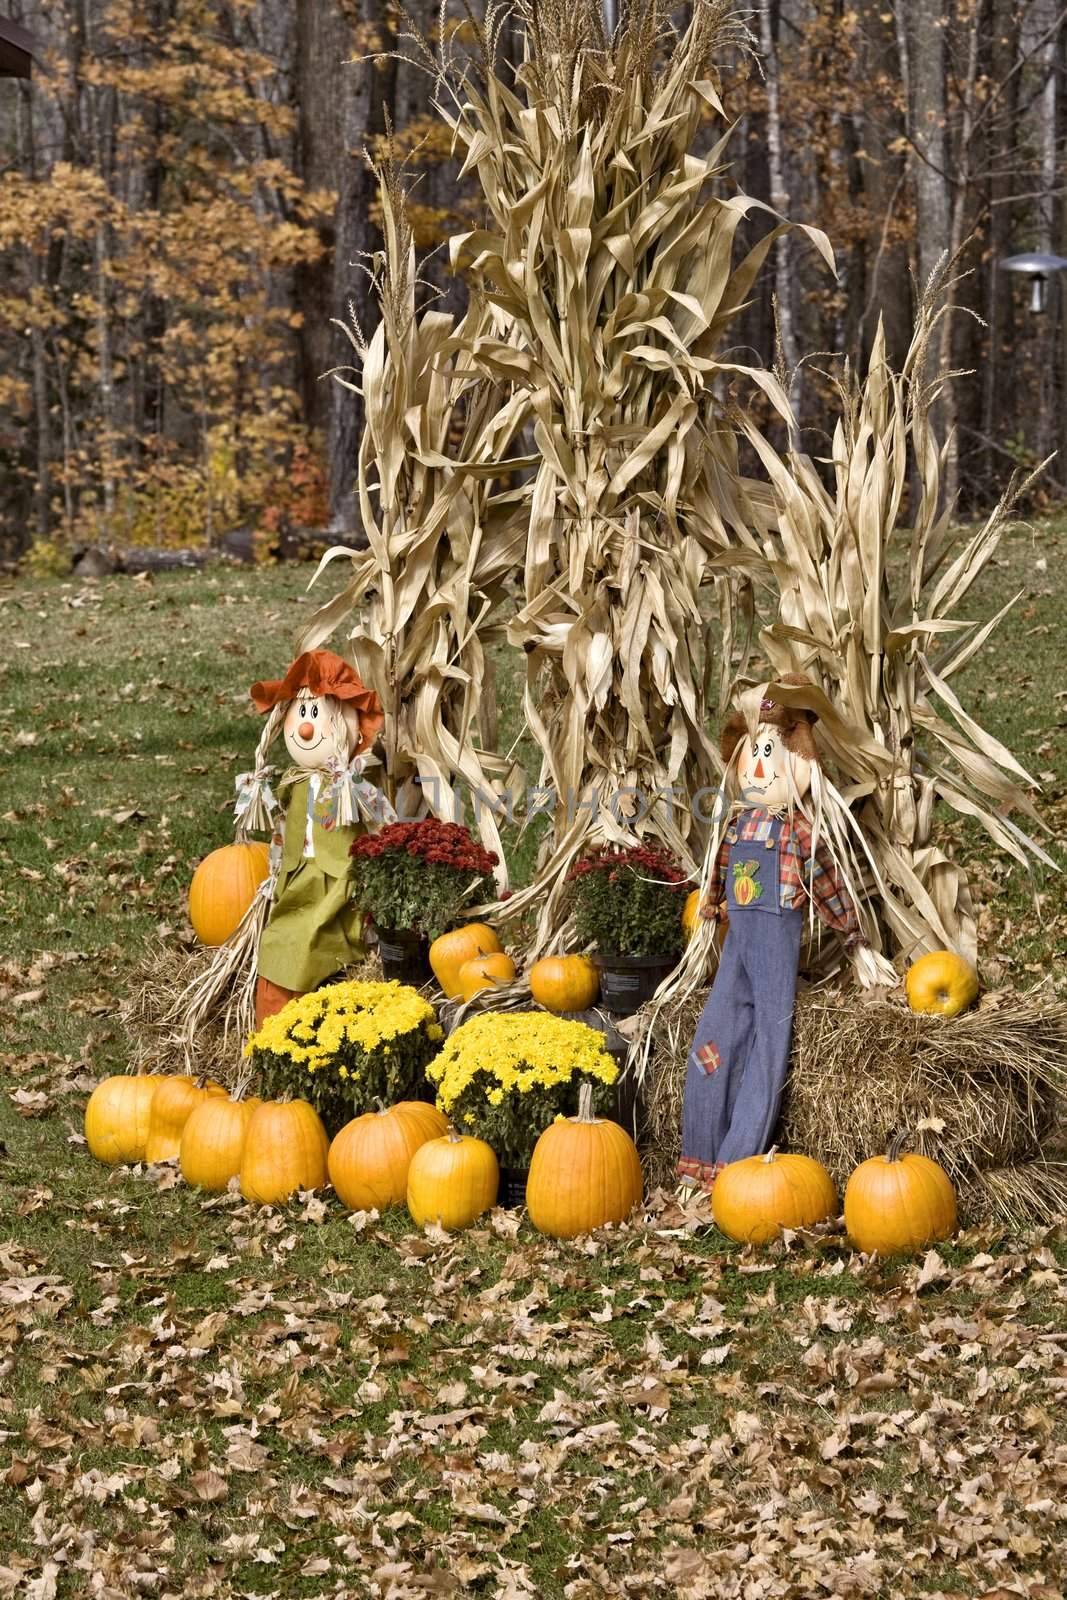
[369, 1159]
[453, 949]
[452, 1180]
[899, 1202]
[564, 983]
[172, 1105]
[285, 1150]
[584, 1172]
[224, 886]
[213, 1141]
[754, 1199]
[485, 972]
[941, 982]
[691, 913]
[118, 1115]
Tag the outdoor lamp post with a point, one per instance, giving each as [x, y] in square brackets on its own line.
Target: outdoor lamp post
[1038, 266]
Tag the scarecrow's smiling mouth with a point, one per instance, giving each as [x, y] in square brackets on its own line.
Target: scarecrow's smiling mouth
[305, 749]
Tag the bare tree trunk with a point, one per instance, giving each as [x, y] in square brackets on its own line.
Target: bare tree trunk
[886, 289]
[1045, 114]
[961, 201]
[102, 128]
[783, 263]
[324, 42]
[367, 91]
[925, 22]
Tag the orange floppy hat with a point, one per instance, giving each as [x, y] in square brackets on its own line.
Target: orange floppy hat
[321, 672]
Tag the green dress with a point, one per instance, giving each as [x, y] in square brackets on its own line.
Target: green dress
[314, 930]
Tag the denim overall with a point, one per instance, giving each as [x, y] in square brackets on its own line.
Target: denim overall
[740, 1052]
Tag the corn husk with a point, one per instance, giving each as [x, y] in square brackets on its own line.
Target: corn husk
[446, 532]
[608, 260]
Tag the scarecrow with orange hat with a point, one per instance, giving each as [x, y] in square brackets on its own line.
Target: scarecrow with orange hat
[779, 864]
[329, 720]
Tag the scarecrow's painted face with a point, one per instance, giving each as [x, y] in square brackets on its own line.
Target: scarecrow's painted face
[763, 768]
[315, 733]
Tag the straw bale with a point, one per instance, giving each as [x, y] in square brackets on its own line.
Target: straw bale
[153, 1021]
[863, 1070]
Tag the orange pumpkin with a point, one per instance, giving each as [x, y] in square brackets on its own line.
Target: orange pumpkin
[213, 1141]
[224, 886]
[691, 913]
[172, 1105]
[897, 1203]
[452, 1180]
[485, 972]
[564, 983]
[452, 950]
[941, 982]
[434, 1122]
[285, 1150]
[118, 1116]
[584, 1172]
[369, 1159]
[754, 1199]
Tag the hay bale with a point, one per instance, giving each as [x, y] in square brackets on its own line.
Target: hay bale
[152, 1026]
[865, 1067]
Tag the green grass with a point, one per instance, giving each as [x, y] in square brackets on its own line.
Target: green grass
[205, 1399]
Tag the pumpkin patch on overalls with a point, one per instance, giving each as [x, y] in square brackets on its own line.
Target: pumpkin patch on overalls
[746, 885]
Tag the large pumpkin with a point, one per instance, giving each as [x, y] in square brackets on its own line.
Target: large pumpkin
[369, 1159]
[691, 913]
[584, 1172]
[434, 1122]
[213, 1141]
[172, 1105]
[452, 950]
[899, 1202]
[118, 1115]
[224, 886]
[485, 972]
[754, 1199]
[941, 982]
[452, 1180]
[564, 983]
[285, 1150]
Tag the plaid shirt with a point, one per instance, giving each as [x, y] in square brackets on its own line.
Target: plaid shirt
[801, 876]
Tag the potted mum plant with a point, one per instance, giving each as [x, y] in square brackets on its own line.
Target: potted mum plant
[415, 879]
[505, 1075]
[628, 905]
[346, 1047]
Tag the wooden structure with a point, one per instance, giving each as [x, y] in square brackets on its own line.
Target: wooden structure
[16, 50]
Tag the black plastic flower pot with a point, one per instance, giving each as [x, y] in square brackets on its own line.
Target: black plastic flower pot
[626, 982]
[405, 956]
[512, 1191]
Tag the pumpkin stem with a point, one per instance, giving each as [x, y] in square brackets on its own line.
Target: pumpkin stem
[896, 1145]
[453, 1135]
[585, 1103]
[771, 1153]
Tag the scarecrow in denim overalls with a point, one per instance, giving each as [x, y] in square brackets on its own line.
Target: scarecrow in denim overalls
[766, 881]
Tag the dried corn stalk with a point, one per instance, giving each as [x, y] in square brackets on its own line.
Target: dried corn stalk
[607, 261]
[445, 537]
[869, 606]
[868, 609]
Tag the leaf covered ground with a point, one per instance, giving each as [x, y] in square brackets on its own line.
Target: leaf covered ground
[199, 1398]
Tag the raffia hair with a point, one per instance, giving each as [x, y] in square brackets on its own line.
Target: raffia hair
[271, 728]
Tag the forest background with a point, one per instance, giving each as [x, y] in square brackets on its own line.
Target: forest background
[186, 205]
